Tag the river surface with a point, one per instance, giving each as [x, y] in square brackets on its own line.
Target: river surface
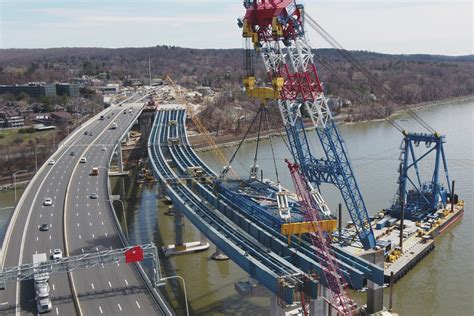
[442, 284]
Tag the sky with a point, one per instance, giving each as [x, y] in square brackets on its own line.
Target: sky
[386, 26]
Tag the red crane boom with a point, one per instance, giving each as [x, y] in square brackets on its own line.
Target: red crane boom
[311, 208]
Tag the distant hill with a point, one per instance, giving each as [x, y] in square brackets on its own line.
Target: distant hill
[410, 78]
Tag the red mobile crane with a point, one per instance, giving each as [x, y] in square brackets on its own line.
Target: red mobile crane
[312, 203]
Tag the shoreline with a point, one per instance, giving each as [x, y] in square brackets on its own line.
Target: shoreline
[200, 144]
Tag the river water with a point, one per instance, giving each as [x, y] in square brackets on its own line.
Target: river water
[442, 284]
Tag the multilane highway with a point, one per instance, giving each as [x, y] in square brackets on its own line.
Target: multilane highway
[77, 224]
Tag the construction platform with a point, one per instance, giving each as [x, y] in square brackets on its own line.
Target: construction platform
[418, 240]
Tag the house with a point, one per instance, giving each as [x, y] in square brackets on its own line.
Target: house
[11, 119]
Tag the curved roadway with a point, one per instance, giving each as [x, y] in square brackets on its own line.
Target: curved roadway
[89, 227]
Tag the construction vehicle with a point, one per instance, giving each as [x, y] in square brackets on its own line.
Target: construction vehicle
[41, 285]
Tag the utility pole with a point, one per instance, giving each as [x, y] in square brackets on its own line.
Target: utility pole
[149, 68]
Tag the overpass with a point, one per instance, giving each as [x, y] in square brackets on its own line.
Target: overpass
[78, 224]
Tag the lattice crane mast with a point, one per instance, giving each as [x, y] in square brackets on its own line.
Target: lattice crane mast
[320, 240]
[276, 29]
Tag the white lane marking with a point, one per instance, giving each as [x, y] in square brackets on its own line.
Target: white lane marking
[49, 251]
[57, 311]
[90, 223]
[88, 214]
[92, 285]
[100, 213]
[77, 213]
[102, 223]
[77, 224]
[106, 236]
[80, 237]
[41, 215]
[120, 307]
[138, 305]
[126, 282]
[49, 237]
[110, 284]
[97, 249]
[111, 248]
[93, 236]
[53, 286]
[100, 310]
[82, 249]
[37, 238]
[51, 214]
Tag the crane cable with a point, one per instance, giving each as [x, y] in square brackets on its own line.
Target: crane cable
[271, 145]
[258, 141]
[228, 167]
[358, 92]
[348, 56]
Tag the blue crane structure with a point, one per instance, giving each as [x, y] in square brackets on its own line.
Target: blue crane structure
[277, 31]
[420, 198]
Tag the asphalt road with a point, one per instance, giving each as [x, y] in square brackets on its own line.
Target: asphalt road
[89, 227]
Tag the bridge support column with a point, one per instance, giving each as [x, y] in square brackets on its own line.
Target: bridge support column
[320, 306]
[219, 255]
[119, 158]
[375, 291]
[180, 247]
[277, 310]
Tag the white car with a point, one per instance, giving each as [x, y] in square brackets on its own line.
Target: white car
[57, 254]
[51, 162]
[83, 160]
[48, 202]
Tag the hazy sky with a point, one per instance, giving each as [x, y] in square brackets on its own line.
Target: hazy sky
[389, 26]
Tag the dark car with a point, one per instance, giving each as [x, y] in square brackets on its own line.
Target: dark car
[72, 153]
[44, 227]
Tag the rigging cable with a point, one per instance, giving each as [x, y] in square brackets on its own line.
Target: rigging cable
[227, 168]
[271, 144]
[348, 56]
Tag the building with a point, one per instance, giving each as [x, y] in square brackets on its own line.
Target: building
[61, 118]
[11, 119]
[110, 89]
[69, 89]
[32, 89]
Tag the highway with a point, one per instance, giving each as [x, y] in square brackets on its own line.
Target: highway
[77, 224]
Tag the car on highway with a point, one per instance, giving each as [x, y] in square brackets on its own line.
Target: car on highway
[51, 162]
[48, 202]
[83, 160]
[57, 254]
[104, 149]
[44, 227]
[129, 110]
[93, 196]
[72, 153]
[90, 133]
[86, 133]
[124, 111]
